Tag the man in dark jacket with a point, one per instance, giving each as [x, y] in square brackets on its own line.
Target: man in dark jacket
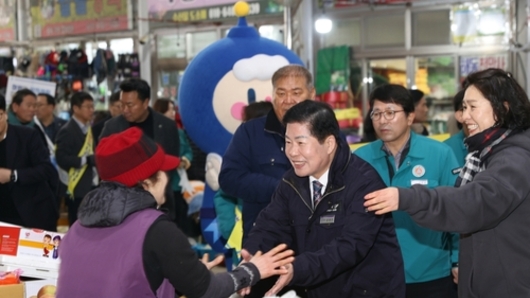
[75, 152]
[341, 250]
[134, 98]
[28, 180]
[255, 161]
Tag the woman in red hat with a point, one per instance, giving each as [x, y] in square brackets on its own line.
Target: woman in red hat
[122, 246]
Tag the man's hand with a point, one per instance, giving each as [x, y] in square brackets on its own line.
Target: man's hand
[382, 201]
[213, 263]
[282, 281]
[5, 175]
[454, 271]
[272, 263]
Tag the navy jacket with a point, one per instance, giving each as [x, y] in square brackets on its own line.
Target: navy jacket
[341, 250]
[254, 164]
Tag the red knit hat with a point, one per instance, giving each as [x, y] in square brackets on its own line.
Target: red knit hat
[130, 156]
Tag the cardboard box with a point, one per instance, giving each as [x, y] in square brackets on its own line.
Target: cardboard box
[34, 251]
[12, 291]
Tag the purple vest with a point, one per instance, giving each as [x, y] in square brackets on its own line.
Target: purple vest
[107, 262]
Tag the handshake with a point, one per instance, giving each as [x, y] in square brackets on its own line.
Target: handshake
[278, 261]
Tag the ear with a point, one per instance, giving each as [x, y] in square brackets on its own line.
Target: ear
[331, 144]
[146, 103]
[506, 105]
[14, 107]
[313, 93]
[410, 118]
[146, 184]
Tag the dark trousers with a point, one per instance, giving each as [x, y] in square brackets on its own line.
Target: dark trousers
[438, 288]
[73, 206]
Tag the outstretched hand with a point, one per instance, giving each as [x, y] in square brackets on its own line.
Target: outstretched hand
[213, 263]
[282, 281]
[272, 263]
[382, 201]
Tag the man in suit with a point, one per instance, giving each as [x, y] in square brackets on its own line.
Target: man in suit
[28, 180]
[75, 152]
[134, 97]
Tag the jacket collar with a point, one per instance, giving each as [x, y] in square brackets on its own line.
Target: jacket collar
[110, 203]
[273, 124]
[414, 151]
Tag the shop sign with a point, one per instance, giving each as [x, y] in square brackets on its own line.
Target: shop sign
[57, 18]
[37, 86]
[476, 63]
[7, 20]
[162, 10]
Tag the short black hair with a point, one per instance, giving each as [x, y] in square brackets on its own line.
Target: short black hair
[78, 98]
[49, 99]
[2, 103]
[18, 97]
[138, 85]
[417, 95]
[115, 97]
[320, 117]
[392, 93]
[499, 87]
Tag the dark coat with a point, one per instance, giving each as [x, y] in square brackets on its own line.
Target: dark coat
[254, 164]
[492, 212]
[166, 133]
[69, 141]
[34, 193]
[341, 250]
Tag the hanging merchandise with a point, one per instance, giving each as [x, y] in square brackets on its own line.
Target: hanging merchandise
[51, 61]
[78, 64]
[111, 63]
[128, 66]
[99, 66]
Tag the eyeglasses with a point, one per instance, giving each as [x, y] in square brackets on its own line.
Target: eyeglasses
[388, 114]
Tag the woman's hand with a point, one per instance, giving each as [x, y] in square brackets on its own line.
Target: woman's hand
[272, 263]
[382, 201]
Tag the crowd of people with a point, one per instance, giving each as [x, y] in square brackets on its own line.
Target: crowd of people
[402, 216]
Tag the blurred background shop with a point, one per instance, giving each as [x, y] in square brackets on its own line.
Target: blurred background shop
[351, 46]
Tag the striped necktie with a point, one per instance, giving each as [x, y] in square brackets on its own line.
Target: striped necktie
[317, 194]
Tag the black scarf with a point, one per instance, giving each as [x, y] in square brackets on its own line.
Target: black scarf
[479, 147]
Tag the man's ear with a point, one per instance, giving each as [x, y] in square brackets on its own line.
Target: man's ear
[331, 144]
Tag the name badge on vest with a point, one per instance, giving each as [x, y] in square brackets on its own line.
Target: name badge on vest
[420, 182]
[327, 219]
[456, 171]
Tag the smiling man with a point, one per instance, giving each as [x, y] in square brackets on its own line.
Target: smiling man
[341, 250]
[255, 161]
[404, 158]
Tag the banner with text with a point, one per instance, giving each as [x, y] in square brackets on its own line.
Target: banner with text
[56, 18]
[204, 10]
[37, 86]
[7, 20]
